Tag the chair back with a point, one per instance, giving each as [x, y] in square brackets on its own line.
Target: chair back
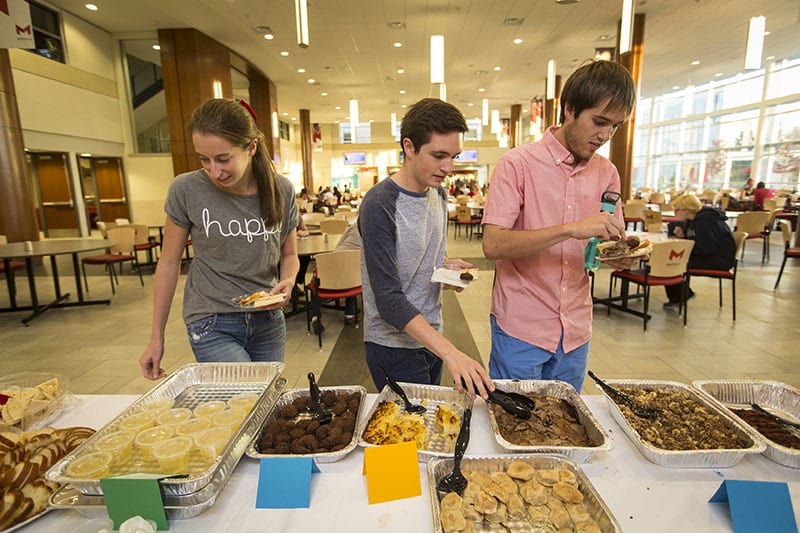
[104, 227]
[339, 269]
[463, 213]
[752, 221]
[786, 232]
[142, 233]
[333, 226]
[340, 215]
[122, 221]
[771, 204]
[634, 208]
[125, 237]
[312, 219]
[657, 198]
[739, 237]
[652, 220]
[724, 201]
[670, 258]
[344, 207]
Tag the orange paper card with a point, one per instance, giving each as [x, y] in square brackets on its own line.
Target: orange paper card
[392, 472]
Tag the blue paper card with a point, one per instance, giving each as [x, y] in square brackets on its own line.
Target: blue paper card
[285, 482]
[757, 506]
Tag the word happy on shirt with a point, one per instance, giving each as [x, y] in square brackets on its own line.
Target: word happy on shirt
[248, 227]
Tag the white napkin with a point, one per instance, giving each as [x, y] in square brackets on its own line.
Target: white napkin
[452, 277]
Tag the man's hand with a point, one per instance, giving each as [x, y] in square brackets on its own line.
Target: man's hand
[468, 375]
[603, 225]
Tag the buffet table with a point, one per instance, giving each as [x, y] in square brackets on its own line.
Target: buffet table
[643, 496]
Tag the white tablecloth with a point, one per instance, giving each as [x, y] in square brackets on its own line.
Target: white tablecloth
[644, 497]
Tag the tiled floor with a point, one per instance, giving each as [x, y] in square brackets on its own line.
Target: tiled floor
[98, 347]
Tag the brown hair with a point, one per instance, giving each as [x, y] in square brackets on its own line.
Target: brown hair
[231, 121]
[595, 82]
[427, 116]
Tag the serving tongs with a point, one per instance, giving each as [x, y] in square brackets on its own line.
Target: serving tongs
[455, 480]
[410, 407]
[322, 415]
[513, 403]
[776, 418]
[638, 409]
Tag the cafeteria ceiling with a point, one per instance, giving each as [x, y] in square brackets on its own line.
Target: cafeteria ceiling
[351, 52]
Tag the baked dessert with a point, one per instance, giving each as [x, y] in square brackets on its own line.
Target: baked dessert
[553, 422]
[447, 419]
[29, 401]
[390, 425]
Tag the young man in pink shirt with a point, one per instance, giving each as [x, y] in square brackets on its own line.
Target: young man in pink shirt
[542, 207]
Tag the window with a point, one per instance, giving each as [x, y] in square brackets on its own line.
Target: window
[146, 93]
[47, 33]
[283, 128]
[363, 133]
[475, 129]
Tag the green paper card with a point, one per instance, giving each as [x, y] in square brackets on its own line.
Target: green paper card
[127, 497]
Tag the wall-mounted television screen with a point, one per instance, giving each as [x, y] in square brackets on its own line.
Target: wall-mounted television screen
[355, 158]
[467, 156]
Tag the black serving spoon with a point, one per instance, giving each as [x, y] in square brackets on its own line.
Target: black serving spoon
[638, 409]
[322, 415]
[776, 418]
[455, 480]
[410, 407]
[515, 404]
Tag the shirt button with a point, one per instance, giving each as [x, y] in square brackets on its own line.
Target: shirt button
[558, 161]
[566, 263]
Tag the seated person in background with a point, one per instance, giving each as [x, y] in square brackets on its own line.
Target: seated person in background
[760, 193]
[714, 247]
[300, 279]
[747, 188]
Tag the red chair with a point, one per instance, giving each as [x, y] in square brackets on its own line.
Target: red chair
[788, 250]
[464, 219]
[667, 265]
[337, 276]
[120, 253]
[739, 237]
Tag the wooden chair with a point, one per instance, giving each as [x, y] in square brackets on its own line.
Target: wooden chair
[122, 221]
[333, 226]
[633, 212]
[119, 253]
[336, 276]
[739, 238]
[143, 243]
[464, 219]
[104, 227]
[657, 198]
[754, 223]
[668, 265]
[652, 221]
[344, 207]
[312, 219]
[788, 250]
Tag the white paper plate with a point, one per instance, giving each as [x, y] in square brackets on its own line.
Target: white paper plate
[453, 277]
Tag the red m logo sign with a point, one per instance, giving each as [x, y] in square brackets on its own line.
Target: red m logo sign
[26, 30]
[673, 254]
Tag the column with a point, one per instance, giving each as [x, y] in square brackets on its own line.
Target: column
[306, 149]
[264, 99]
[17, 214]
[621, 148]
[515, 126]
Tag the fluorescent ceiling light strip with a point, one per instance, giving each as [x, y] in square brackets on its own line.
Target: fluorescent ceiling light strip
[755, 43]
[301, 18]
[551, 79]
[495, 121]
[437, 58]
[626, 27]
[485, 112]
[443, 92]
[353, 119]
[393, 120]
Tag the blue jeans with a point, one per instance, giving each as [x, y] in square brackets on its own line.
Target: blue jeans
[512, 358]
[411, 365]
[239, 337]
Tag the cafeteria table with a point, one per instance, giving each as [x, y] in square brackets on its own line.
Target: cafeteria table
[643, 497]
[41, 249]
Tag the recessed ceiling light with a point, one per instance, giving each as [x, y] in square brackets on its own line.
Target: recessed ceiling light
[770, 58]
[324, 94]
[91, 7]
[718, 74]
[312, 80]
[397, 45]
[372, 120]
[285, 114]
[676, 87]
[402, 92]
[401, 71]
[301, 70]
[268, 36]
[604, 37]
[156, 47]
[481, 90]
[766, 33]
[294, 118]
[284, 53]
[470, 104]
[498, 69]
[517, 41]
[338, 107]
[695, 62]
[403, 106]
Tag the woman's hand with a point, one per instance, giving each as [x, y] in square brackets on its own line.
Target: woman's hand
[150, 361]
[284, 287]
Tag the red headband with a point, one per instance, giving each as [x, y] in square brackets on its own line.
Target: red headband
[249, 108]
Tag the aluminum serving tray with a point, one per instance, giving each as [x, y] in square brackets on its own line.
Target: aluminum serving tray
[779, 396]
[189, 386]
[597, 508]
[430, 396]
[721, 458]
[561, 390]
[288, 397]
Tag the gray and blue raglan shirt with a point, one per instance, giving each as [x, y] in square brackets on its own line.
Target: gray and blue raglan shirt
[403, 236]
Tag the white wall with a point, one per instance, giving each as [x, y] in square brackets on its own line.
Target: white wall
[149, 177]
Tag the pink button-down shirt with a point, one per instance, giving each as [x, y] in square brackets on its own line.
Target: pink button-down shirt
[535, 186]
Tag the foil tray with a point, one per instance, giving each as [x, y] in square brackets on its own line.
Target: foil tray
[597, 508]
[288, 397]
[780, 397]
[189, 386]
[564, 391]
[430, 396]
[720, 458]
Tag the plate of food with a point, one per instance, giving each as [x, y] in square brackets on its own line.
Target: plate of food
[630, 247]
[457, 277]
[261, 299]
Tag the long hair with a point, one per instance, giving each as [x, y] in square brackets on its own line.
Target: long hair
[596, 82]
[231, 121]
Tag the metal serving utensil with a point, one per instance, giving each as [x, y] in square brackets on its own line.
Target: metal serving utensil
[455, 480]
[322, 415]
[775, 417]
[410, 407]
[638, 409]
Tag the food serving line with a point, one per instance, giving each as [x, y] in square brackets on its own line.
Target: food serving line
[641, 495]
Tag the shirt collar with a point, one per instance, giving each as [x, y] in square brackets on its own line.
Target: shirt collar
[561, 156]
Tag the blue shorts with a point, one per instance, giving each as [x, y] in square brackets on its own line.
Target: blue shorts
[411, 365]
[239, 337]
[512, 358]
